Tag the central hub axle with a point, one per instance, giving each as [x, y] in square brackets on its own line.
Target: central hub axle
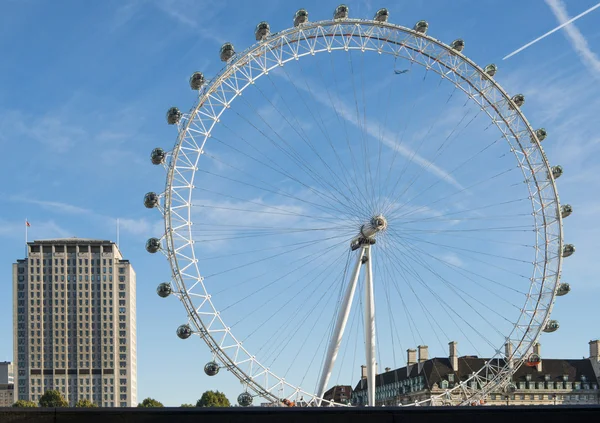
[368, 231]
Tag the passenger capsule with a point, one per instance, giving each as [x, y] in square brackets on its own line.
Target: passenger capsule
[421, 27]
[184, 331]
[262, 31]
[173, 116]
[491, 69]
[341, 12]
[164, 290]
[551, 326]
[227, 51]
[158, 156]
[568, 250]
[301, 17]
[563, 289]
[557, 171]
[511, 387]
[382, 15]
[518, 99]
[458, 45]
[153, 245]
[197, 81]
[533, 360]
[541, 134]
[211, 368]
[150, 200]
[244, 399]
[566, 210]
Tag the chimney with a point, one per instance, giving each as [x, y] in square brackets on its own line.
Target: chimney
[453, 355]
[595, 356]
[508, 354]
[537, 349]
[423, 353]
[363, 372]
[411, 357]
[595, 350]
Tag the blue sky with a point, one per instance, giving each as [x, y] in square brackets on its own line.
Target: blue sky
[85, 87]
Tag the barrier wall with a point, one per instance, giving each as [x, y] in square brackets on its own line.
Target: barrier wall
[546, 414]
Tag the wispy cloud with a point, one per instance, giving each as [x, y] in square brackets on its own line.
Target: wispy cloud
[48, 130]
[133, 226]
[54, 205]
[577, 40]
[376, 130]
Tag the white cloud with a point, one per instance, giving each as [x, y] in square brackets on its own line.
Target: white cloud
[452, 259]
[54, 205]
[376, 130]
[575, 37]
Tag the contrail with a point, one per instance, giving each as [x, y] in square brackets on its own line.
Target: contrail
[551, 32]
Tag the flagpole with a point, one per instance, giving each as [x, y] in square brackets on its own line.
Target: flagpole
[117, 231]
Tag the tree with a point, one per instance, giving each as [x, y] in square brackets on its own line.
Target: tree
[150, 402]
[85, 403]
[24, 404]
[187, 405]
[213, 399]
[52, 399]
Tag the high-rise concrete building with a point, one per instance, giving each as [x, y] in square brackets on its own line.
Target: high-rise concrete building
[74, 322]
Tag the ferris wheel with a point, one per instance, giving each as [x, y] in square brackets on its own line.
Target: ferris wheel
[347, 188]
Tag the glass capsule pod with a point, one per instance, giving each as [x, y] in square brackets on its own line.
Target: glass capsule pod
[518, 99]
[153, 245]
[341, 12]
[382, 15]
[511, 387]
[491, 69]
[184, 331]
[158, 156]
[197, 81]
[150, 200]
[227, 51]
[421, 27]
[563, 289]
[541, 134]
[164, 290]
[262, 31]
[458, 45]
[244, 399]
[568, 250]
[211, 368]
[173, 116]
[557, 171]
[551, 326]
[301, 17]
[566, 210]
[533, 360]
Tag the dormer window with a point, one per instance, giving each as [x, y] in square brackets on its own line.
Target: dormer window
[451, 377]
[528, 378]
[565, 378]
[546, 378]
[583, 379]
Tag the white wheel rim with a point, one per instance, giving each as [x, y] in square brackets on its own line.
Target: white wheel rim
[311, 38]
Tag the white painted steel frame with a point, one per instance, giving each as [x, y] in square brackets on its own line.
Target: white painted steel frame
[340, 324]
[383, 38]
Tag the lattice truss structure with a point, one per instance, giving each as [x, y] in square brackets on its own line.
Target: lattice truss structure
[301, 43]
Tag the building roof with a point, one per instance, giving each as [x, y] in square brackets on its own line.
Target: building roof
[437, 369]
[73, 240]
